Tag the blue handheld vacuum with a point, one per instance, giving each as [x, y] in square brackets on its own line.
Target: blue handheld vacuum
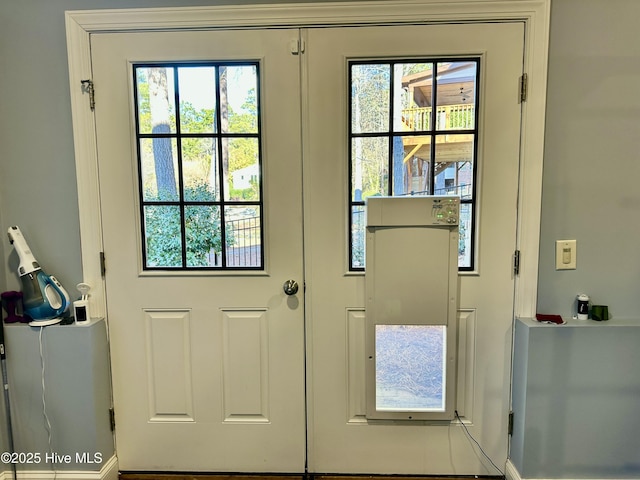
[44, 298]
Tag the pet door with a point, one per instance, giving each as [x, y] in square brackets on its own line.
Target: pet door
[411, 304]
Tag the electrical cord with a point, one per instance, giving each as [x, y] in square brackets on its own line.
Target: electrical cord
[44, 401]
[476, 442]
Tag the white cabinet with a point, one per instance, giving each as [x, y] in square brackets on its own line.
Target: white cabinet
[77, 395]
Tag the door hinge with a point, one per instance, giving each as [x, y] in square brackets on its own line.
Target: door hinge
[516, 262]
[510, 426]
[112, 419]
[88, 87]
[103, 267]
[524, 82]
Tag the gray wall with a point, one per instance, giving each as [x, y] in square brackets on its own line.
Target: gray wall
[591, 189]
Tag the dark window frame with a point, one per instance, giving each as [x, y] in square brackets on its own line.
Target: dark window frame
[217, 136]
[433, 132]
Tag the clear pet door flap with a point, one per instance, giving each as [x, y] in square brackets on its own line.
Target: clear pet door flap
[411, 307]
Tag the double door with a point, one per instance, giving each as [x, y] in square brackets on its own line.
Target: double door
[221, 369]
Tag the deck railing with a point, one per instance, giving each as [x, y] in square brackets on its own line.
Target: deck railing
[448, 117]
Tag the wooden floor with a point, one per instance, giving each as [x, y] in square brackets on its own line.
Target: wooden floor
[195, 476]
[203, 476]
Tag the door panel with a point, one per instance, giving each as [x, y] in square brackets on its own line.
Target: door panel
[341, 438]
[208, 368]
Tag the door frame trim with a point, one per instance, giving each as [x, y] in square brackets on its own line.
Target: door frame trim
[535, 14]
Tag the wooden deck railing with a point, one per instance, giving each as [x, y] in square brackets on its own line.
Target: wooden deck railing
[449, 117]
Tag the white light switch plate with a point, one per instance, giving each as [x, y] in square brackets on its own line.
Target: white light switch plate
[566, 254]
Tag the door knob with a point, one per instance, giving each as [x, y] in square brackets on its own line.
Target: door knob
[290, 287]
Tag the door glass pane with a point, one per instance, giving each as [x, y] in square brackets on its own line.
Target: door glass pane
[158, 167]
[163, 241]
[413, 91]
[156, 100]
[243, 236]
[454, 165]
[200, 165]
[358, 225]
[428, 146]
[203, 234]
[244, 168]
[412, 165]
[465, 243]
[370, 87]
[456, 95]
[369, 167]
[200, 169]
[410, 367]
[197, 99]
[239, 98]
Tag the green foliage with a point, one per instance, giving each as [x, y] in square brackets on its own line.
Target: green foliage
[242, 151]
[196, 121]
[197, 149]
[144, 109]
[203, 232]
[162, 232]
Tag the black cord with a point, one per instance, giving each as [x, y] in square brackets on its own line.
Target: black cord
[475, 441]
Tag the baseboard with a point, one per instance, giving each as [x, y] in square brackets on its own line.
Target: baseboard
[511, 472]
[109, 471]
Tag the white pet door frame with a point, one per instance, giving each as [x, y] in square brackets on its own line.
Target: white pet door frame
[411, 284]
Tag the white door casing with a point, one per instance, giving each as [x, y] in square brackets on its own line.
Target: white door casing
[534, 16]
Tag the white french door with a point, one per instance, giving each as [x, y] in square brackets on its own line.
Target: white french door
[341, 438]
[212, 365]
[208, 367]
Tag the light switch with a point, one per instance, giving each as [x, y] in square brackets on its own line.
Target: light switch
[565, 254]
